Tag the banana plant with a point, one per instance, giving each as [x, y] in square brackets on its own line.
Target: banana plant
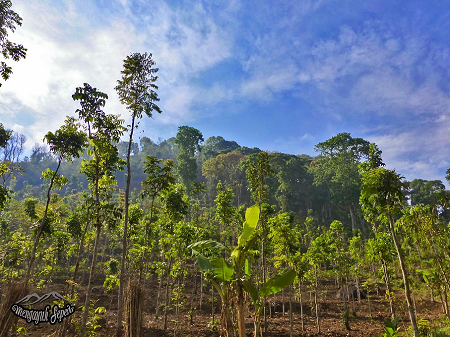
[227, 275]
[231, 276]
[270, 287]
[220, 273]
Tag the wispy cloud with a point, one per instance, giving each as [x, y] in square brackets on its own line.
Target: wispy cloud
[417, 153]
[371, 74]
[67, 47]
[327, 66]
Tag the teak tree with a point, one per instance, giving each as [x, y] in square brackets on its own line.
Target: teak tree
[159, 178]
[66, 143]
[382, 199]
[104, 131]
[137, 90]
[175, 205]
[257, 173]
[317, 254]
[225, 213]
[284, 239]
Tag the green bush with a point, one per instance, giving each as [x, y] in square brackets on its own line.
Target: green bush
[390, 328]
[441, 332]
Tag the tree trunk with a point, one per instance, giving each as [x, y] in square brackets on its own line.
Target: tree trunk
[301, 304]
[212, 305]
[89, 286]
[353, 218]
[316, 303]
[389, 289]
[80, 250]
[369, 303]
[191, 305]
[125, 234]
[346, 310]
[201, 292]
[263, 252]
[412, 314]
[358, 288]
[177, 305]
[158, 296]
[166, 297]
[291, 321]
[257, 331]
[446, 303]
[44, 218]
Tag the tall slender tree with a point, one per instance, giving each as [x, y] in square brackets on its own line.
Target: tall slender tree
[159, 178]
[257, 173]
[66, 143]
[382, 200]
[137, 90]
[104, 131]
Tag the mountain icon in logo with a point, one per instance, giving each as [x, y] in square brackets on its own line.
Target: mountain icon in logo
[35, 298]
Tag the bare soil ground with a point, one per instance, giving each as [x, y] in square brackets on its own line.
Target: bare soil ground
[366, 320]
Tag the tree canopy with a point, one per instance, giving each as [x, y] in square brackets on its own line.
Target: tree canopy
[9, 20]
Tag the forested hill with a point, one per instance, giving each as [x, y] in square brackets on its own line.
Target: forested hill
[326, 187]
[322, 219]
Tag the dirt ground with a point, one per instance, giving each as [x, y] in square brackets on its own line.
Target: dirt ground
[366, 319]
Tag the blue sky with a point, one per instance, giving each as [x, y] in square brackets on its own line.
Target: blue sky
[278, 75]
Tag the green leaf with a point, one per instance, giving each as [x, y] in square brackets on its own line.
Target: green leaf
[48, 174]
[221, 270]
[206, 244]
[425, 274]
[252, 290]
[248, 272]
[252, 215]
[203, 263]
[390, 331]
[277, 283]
[100, 310]
[251, 220]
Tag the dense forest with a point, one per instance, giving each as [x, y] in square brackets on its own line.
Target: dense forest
[195, 237]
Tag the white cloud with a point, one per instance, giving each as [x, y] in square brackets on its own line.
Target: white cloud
[418, 153]
[59, 60]
[178, 103]
[365, 71]
[262, 85]
[373, 73]
[68, 46]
